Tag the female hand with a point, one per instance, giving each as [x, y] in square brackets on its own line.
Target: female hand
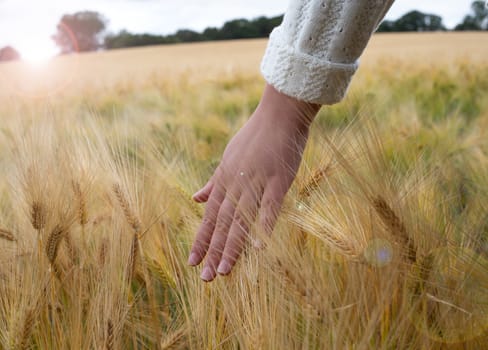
[258, 167]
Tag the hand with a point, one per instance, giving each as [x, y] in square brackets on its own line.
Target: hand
[257, 169]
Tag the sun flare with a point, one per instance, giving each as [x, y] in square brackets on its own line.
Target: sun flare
[38, 52]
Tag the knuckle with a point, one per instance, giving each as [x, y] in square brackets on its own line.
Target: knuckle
[212, 207]
[268, 203]
[213, 257]
[206, 222]
[200, 245]
[241, 223]
[222, 226]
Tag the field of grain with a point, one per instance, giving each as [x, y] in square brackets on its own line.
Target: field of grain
[382, 242]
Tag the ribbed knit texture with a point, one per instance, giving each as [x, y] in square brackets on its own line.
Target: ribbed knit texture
[314, 53]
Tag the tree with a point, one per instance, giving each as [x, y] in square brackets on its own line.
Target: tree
[265, 25]
[188, 36]
[239, 29]
[79, 32]
[387, 26]
[211, 33]
[8, 53]
[477, 19]
[413, 21]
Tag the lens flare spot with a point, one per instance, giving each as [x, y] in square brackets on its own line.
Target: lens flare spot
[379, 252]
[300, 206]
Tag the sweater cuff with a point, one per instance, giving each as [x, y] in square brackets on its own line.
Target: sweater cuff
[302, 76]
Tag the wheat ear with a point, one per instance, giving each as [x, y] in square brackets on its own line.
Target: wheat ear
[38, 215]
[102, 254]
[187, 197]
[53, 241]
[173, 340]
[395, 225]
[80, 196]
[313, 182]
[131, 218]
[7, 235]
[109, 342]
[310, 298]
[26, 330]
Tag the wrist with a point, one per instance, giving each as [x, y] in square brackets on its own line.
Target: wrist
[281, 108]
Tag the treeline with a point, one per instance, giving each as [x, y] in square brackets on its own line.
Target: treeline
[236, 29]
[414, 21]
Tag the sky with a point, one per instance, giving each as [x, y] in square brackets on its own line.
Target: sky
[28, 24]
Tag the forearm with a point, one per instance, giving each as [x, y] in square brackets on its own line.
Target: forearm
[280, 108]
[314, 53]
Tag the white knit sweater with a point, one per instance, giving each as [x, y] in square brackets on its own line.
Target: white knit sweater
[314, 53]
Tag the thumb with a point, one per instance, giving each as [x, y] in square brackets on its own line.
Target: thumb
[202, 195]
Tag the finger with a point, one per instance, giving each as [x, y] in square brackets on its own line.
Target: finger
[203, 194]
[271, 202]
[219, 237]
[204, 233]
[244, 215]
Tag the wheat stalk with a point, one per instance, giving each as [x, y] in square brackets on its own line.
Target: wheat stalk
[131, 218]
[132, 262]
[73, 251]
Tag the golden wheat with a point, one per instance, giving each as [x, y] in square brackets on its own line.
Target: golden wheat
[108, 146]
[109, 343]
[81, 201]
[7, 235]
[24, 336]
[131, 218]
[53, 241]
[133, 257]
[175, 340]
[38, 215]
[396, 226]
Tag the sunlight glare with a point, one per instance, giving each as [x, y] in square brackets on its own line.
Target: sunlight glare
[38, 52]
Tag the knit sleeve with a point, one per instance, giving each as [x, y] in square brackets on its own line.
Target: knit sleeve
[314, 53]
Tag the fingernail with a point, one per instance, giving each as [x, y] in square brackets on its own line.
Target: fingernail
[193, 259]
[224, 268]
[197, 197]
[207, 274]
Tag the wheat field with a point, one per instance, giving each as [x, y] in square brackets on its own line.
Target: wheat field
[382, 242]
